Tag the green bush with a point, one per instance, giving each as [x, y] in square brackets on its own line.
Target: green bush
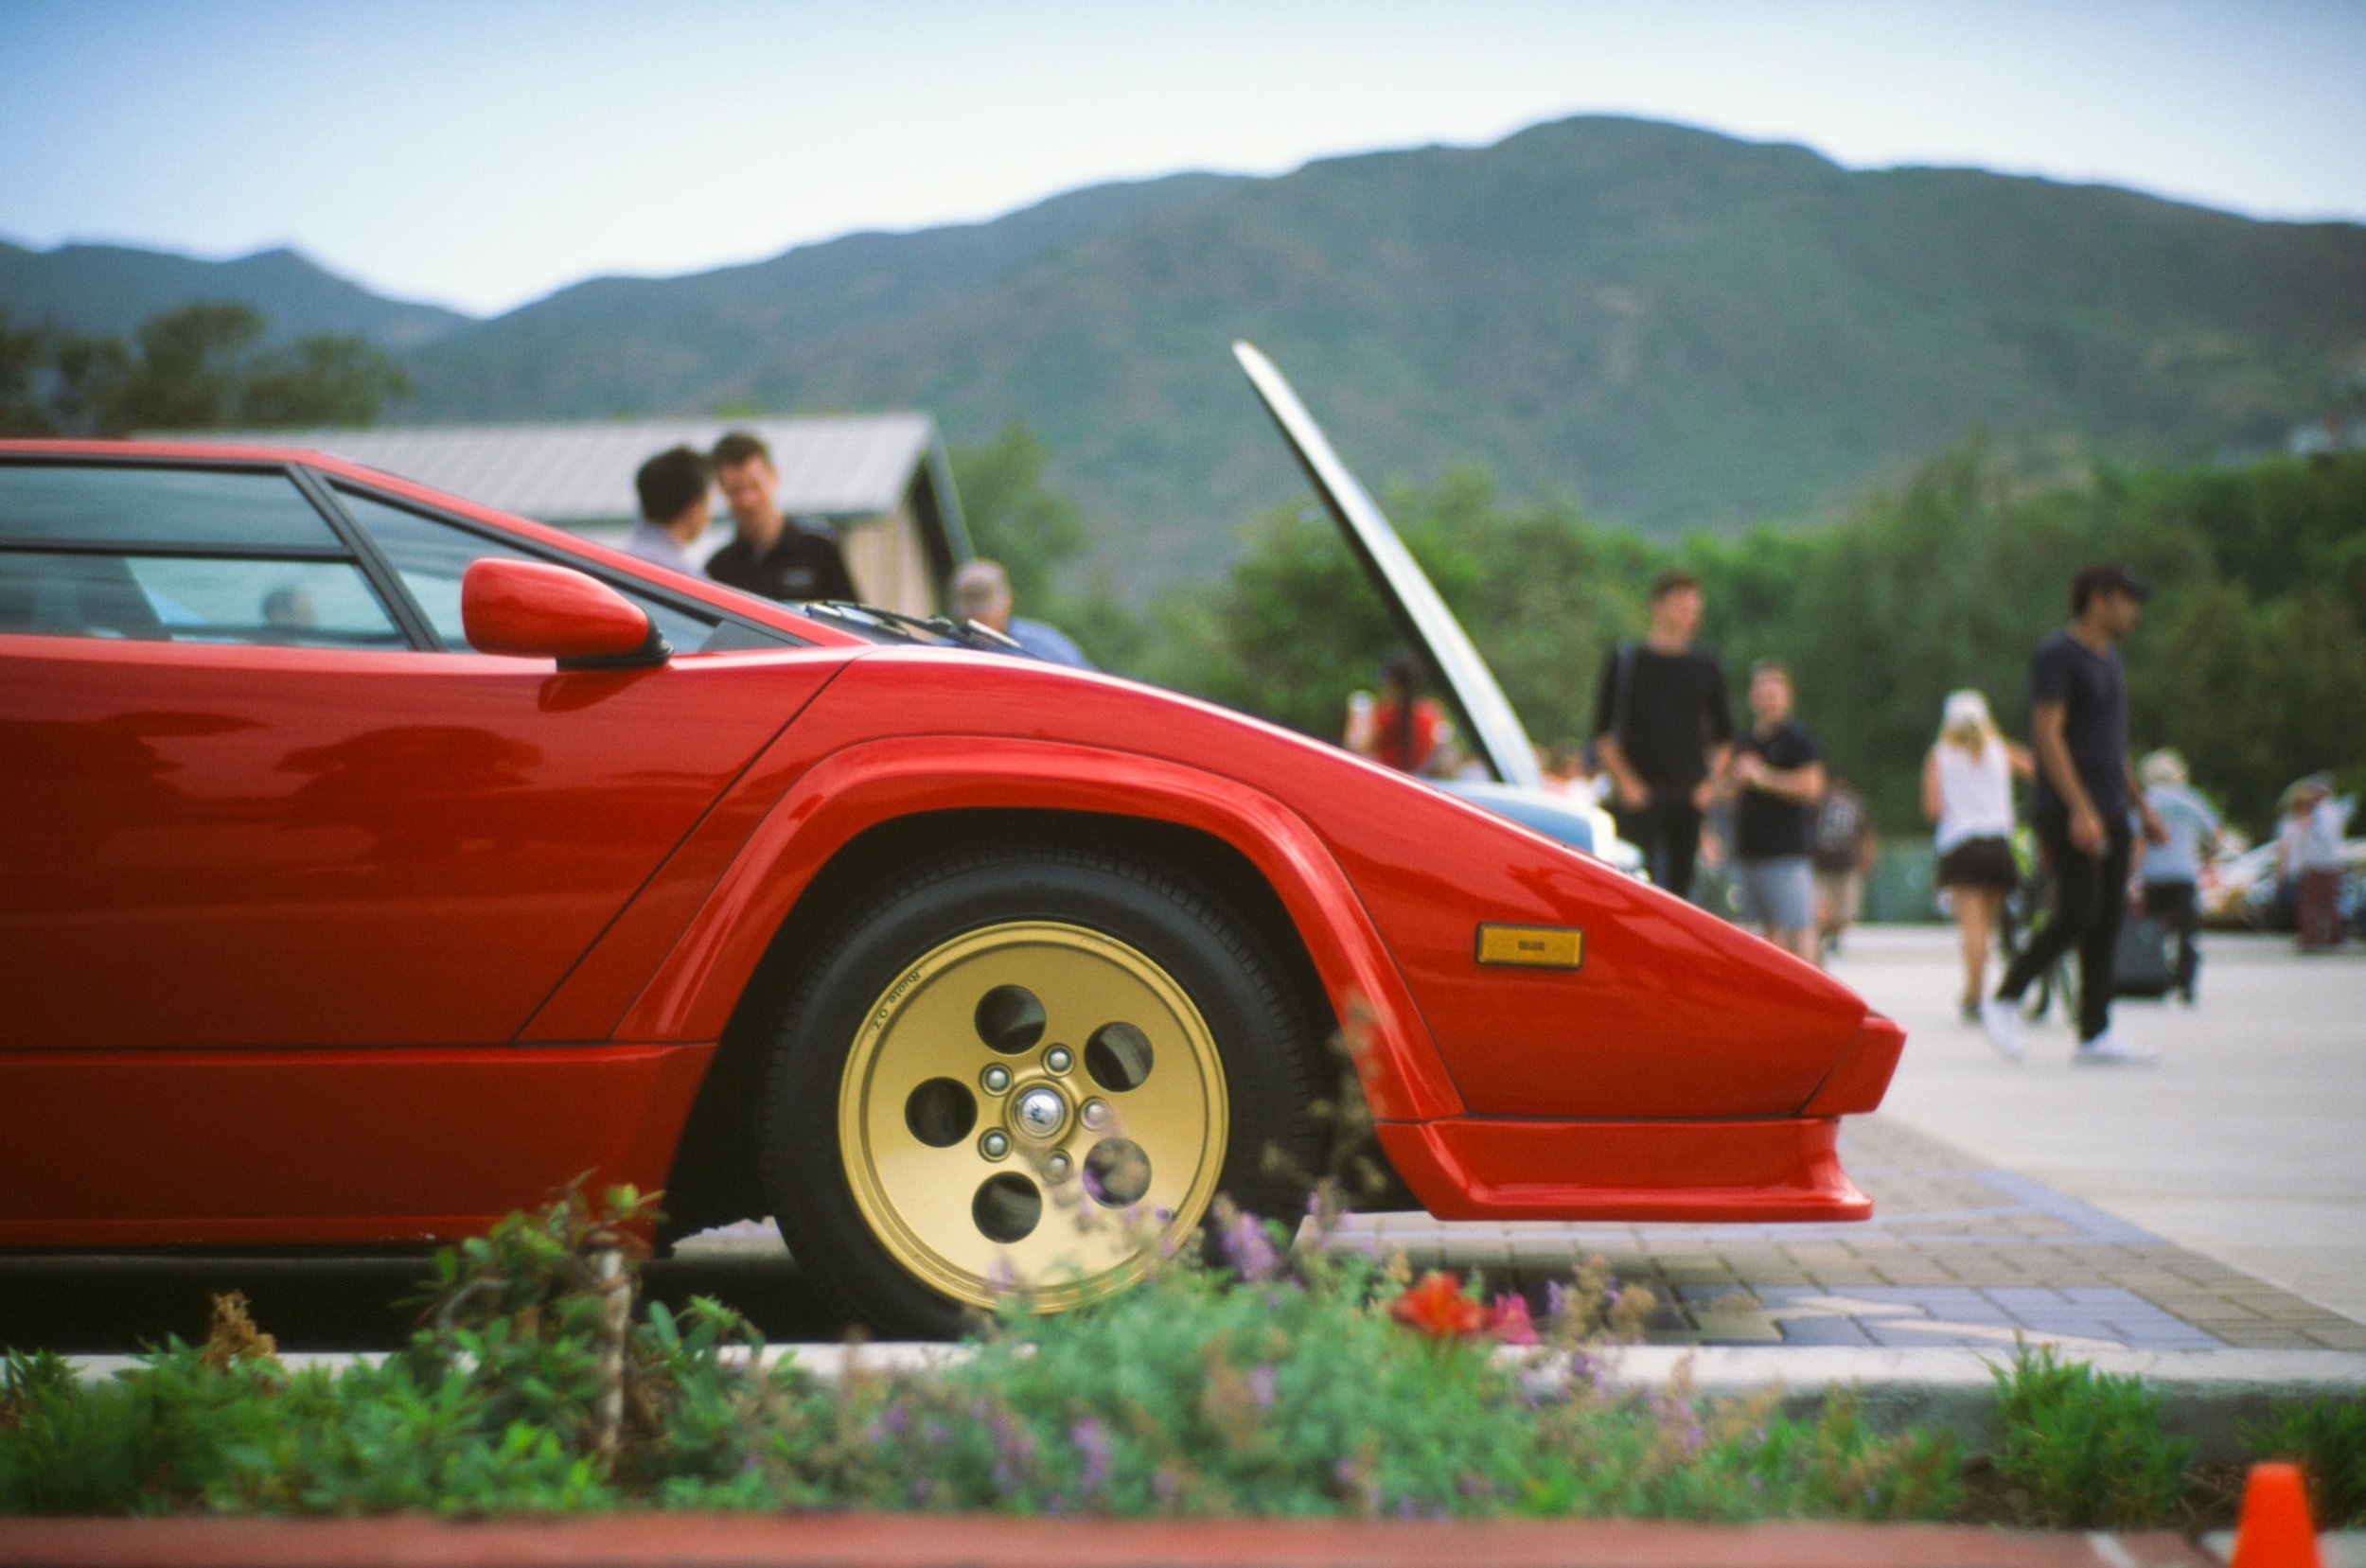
[2326, 1437]
[2084, 1448]
[1292, 1382]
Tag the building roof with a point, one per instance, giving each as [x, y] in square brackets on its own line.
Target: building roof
[832, 465]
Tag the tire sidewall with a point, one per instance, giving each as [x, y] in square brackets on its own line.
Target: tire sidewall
[1204, 949]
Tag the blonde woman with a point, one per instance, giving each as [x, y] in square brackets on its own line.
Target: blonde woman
[1968, 793]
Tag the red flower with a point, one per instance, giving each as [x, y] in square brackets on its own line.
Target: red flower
[1509, 1322]
[1438, 1307]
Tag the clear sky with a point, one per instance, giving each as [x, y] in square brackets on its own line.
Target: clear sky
[481, 153]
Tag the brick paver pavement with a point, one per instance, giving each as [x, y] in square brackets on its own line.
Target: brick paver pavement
[1957, 1254]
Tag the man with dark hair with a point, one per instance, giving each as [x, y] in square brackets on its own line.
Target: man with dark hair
[1664, 731]
[771, 554]
[2078, 726]
[673, 491]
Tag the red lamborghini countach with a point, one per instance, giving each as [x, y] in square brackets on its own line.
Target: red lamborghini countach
[372, 863]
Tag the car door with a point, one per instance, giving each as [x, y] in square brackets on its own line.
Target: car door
[258, 814]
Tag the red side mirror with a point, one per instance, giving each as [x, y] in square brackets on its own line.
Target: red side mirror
[537, 610]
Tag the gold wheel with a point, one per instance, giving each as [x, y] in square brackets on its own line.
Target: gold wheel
[1032, 1106]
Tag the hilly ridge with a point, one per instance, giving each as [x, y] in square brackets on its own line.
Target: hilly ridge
[637, 345]
[1678, 330]
[109, 290]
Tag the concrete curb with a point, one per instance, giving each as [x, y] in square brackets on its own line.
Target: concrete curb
[925, 1541]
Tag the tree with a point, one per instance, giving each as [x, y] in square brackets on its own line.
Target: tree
[328, 379]
[189, 371]
[24, 354]
[204, 366]
[1014, 516]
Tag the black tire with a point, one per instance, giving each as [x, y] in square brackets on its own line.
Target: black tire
[1266, 1040]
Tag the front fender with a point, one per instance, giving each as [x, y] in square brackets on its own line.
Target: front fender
[857, 788]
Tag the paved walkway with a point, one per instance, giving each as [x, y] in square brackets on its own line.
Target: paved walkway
[1958, 1253]
[2160, 1208]
[2247, 1144]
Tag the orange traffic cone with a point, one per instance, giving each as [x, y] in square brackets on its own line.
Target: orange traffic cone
[2275, 1531]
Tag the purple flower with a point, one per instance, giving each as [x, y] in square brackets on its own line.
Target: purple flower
[1014, 1450]
[1091, 1442]
[1249, 1248]
[1261, 1382]
[1165, 1486]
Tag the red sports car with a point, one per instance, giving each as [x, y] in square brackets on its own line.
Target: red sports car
[372, 863]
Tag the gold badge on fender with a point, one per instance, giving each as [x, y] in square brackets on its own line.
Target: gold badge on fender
[1532, 946]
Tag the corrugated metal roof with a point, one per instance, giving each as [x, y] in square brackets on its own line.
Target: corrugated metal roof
[841, 466]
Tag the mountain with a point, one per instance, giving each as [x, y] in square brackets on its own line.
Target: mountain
[1676, 328]
[617, 345]
[112, 289]
[1680, 329]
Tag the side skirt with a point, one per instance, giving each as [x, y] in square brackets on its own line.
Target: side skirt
[1474, 1168]
[382, 1145]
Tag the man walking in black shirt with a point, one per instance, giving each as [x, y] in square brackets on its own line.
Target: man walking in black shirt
[1663, 729]
[770, 555]
[2078, 725]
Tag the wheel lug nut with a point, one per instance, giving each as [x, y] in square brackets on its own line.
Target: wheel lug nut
[1095, 1113]
[996, 1079]
[1058, 1059]
[995, 1145]
[1057, 1166]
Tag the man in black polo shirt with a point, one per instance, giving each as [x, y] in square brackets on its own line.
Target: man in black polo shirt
[1663, 729]
[770, 555]
[2078, 725]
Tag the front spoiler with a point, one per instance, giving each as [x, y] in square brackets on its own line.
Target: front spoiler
[1474, 1167]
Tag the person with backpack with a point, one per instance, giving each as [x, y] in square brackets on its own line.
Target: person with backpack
[1664, 732]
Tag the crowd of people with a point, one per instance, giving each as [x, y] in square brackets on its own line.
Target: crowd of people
[2102, 834]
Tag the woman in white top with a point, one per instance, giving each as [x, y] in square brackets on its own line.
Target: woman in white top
[1968, 791]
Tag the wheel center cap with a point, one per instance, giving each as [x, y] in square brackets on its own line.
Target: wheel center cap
[1040, 1112]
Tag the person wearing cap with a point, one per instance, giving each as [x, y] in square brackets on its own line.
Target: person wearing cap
[2079, 720]
[2171, 870]
[2308, 854]
[1968, 797]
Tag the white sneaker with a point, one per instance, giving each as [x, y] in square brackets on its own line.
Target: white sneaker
[2104, 1048]
[2001, 1021]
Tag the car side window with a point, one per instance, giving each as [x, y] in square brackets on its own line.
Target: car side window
[431, 556]
[177, 555]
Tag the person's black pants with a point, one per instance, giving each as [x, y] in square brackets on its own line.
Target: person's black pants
[2174, 906]
[1668, 831]
[2089, 894]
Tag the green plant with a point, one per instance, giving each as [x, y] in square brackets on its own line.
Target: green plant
[2326, 1437]
[2084, 1448]
[1291, 1380]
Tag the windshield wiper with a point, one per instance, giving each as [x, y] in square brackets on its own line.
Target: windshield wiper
[971, 634]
